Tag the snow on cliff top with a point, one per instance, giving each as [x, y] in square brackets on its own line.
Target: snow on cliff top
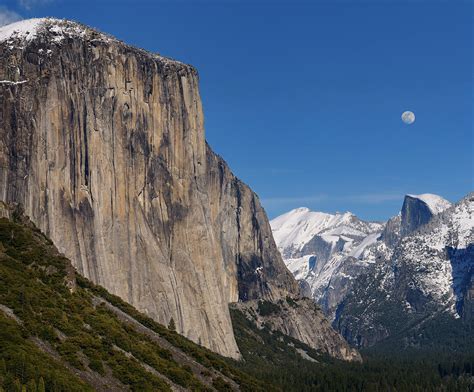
[27, 30]
[24, 29]
[435, 203]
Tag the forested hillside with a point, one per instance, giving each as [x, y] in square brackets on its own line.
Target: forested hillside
[281, 361]
[60, 332]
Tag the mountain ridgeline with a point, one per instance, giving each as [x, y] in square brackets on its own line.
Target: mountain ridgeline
[103, 146]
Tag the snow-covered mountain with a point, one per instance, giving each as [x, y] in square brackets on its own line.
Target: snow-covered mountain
[327, 252]
[428, 274]
[323, 251]
[374, 279]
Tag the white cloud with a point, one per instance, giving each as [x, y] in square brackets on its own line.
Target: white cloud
[7, 16]
[365, 198]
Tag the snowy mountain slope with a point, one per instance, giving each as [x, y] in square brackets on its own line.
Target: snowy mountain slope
[324, 250]
[329, 251]
[428, 274]
[427, 251]
[435, 203]
[295, 229]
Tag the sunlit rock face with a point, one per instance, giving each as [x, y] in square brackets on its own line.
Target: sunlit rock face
[103, 145]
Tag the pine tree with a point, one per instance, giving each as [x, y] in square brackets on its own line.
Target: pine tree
[17, 385]
[31, 386]
[172, 325]
[41, 387]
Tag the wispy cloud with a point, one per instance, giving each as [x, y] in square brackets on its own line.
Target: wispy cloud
[8, 16]
[29, 4]
[370, 198]
[365, 198]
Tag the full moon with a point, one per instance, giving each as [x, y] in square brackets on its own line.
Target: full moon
[408, 117]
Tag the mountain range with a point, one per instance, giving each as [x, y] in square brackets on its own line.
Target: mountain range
[373, 278]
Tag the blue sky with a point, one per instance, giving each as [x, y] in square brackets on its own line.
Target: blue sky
[303, 99]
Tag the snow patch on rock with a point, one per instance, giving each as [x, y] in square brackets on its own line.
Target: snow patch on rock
[435, 203]
[24, 29]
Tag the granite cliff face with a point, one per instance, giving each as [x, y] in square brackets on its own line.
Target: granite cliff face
[103, 146]
[417, 210]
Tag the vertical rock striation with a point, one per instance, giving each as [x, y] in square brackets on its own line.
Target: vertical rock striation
[103, 145]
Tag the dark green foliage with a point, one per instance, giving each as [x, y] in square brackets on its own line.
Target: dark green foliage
[202, 355]
[172, 325]
[291, 302]
[221, 385]
[272, 358]
[266, 308]
[97, 365]
[22, 362]
[33, 283]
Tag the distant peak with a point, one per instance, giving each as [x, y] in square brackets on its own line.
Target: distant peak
[434, 202]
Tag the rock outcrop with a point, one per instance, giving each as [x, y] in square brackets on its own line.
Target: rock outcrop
[103, 145]
[301, 319]
[417, 210]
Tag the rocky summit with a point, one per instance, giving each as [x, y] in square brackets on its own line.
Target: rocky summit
[103, 146]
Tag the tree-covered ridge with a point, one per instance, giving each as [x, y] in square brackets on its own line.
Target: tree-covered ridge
[59, 332]
[283, 362]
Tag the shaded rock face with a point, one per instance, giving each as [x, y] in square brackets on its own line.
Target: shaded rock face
[415, 213]
[103, 145]
[391, 233]
[462, 265]
[340, 285]
[468, 305]
[321, 249]
[303, 320]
